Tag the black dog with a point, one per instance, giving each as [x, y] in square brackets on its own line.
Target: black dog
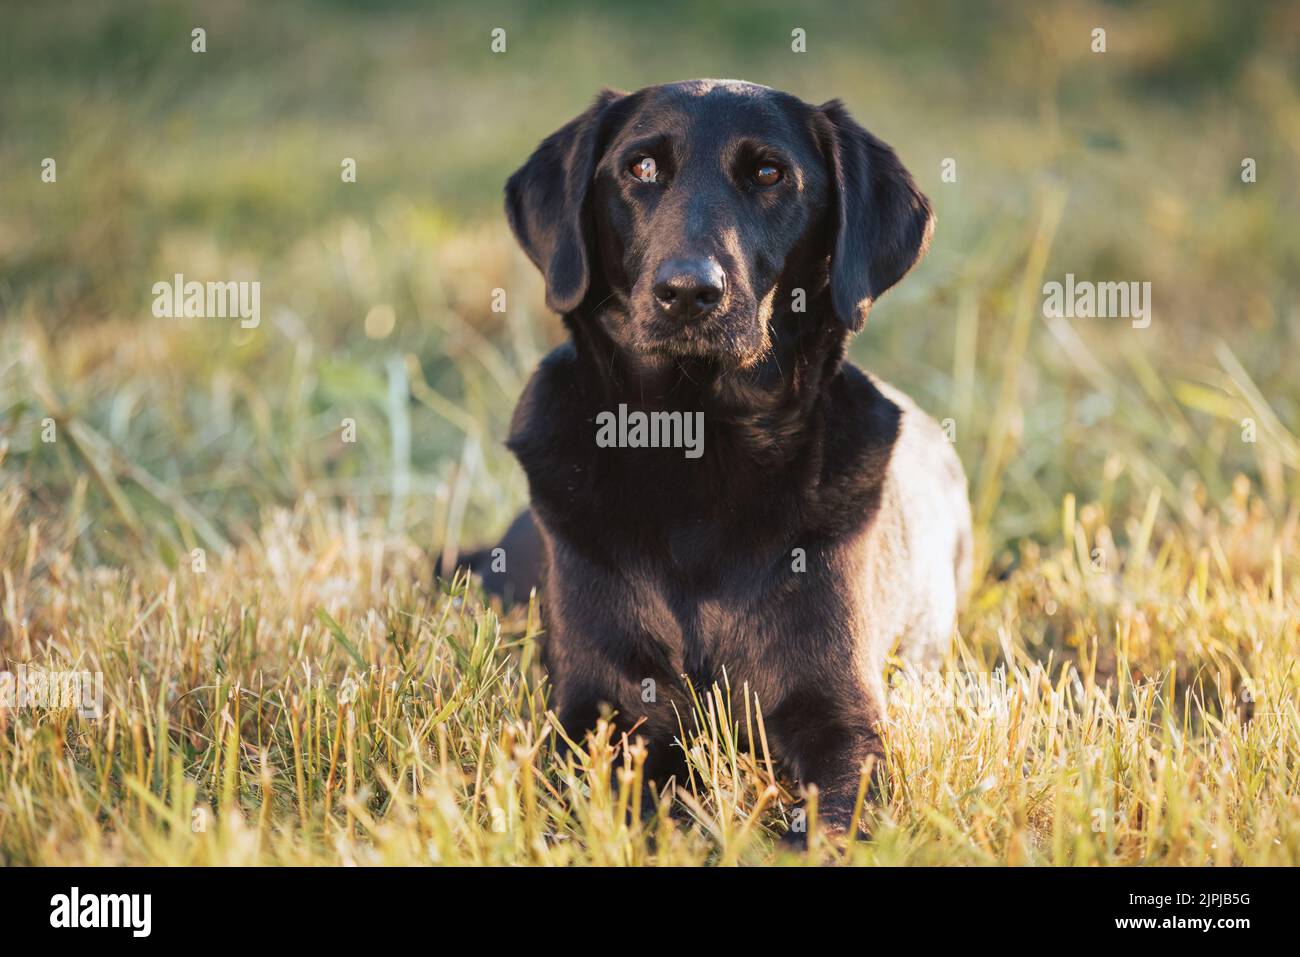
[711, 244]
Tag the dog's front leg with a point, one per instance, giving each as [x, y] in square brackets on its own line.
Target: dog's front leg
[839, 778]
[828, 745]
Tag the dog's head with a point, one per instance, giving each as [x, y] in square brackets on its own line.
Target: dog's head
[704, 210]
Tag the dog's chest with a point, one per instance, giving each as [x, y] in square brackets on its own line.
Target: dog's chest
[714, 634]
[737, 621]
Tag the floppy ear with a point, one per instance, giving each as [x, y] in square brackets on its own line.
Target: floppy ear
[546, 204]
[884, 221]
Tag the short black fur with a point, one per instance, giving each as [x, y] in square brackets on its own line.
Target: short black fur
[786, 555]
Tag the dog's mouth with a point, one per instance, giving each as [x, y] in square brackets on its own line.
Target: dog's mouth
[734, 335]
[725, 345]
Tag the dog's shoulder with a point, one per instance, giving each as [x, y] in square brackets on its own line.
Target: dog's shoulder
[927, 484]
[894, 442]
[865, 422]
[555, 376]
[922, 442]
[551, 392]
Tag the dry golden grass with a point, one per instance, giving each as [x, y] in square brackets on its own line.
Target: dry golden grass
[1124, 686]
[314, 698]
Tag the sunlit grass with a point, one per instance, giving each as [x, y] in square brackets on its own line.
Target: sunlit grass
[285, 682]
[314, 697]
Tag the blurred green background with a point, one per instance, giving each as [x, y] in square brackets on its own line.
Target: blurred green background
[226, 165]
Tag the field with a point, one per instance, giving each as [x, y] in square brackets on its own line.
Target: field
[286, 682]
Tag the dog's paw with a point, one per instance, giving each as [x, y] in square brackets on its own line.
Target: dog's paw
[833, 831]
[792, 841]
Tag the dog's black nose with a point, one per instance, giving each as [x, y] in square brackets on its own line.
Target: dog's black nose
[688, 288]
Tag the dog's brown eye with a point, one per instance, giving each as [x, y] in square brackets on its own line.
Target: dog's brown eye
[645, 169]
[767, 175]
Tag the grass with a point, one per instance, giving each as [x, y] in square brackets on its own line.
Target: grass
[315, 699]
[285, 682]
